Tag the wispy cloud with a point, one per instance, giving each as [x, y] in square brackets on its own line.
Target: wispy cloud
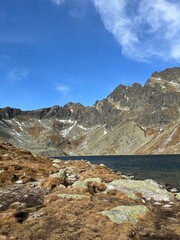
[58, 2]
[79, 8]
[63, 89]
[18, 74]
[143, 28]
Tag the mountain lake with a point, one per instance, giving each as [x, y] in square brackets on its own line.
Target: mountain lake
[165, 169]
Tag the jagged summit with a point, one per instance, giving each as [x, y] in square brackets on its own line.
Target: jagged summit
[168, 79]
[132, 119]
[169, 74]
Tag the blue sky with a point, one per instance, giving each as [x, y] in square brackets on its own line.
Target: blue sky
[56, 51]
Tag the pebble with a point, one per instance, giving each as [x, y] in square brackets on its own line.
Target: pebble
[174, 190]
[167, 206]
[61, 186]
[37, 215]
[19, 182]
[157, 203]
[88, 162]
[102, 165]
[143, 200]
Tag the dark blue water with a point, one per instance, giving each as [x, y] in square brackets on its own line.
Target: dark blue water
[165, 169]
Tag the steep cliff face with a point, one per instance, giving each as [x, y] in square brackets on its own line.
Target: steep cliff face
[131, 120]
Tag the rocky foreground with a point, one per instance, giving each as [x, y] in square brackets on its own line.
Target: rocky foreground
[51, 199]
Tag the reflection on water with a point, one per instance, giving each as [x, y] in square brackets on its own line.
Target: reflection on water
[165, 169]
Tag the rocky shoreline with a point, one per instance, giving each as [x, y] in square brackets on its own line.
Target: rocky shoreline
[41, 198]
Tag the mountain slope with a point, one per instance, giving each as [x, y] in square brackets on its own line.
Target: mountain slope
[131, 120]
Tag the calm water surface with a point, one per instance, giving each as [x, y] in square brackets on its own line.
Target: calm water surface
[165, 169]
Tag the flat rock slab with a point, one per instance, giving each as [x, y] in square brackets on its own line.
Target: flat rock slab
[148, 188]
[73, 196]
[125, 213]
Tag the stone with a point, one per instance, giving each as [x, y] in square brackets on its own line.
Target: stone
[174, 190]
[152, 182]
[102, 165]
[80, 184]
[148, 188]
[128, 177]
[70, 179]
[17, 205]
[122, 214]
[73, 196]
[60, 174]
[97, 180]
[37, 215]
[56, 161]
[84, 183]
[177, 196]
[56, 165]
[61, 186]
[19, 182]
[157, 203]
[167, 206]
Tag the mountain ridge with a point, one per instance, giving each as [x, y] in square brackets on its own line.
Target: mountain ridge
[128, 119]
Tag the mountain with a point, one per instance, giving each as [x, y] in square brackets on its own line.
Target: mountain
[131, 120]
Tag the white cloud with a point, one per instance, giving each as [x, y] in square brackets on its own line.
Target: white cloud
[16, 74]
[63, 89]
[58, 2]
[143, 28]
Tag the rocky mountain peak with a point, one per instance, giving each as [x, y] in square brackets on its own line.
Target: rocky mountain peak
[168, 80]
[8, 113]
[73, 106]
[120, 123]
[169, 74]
[124, 92]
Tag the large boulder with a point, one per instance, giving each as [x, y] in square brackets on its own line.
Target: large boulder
[84, 183]
[148, 188]
[122, 214]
